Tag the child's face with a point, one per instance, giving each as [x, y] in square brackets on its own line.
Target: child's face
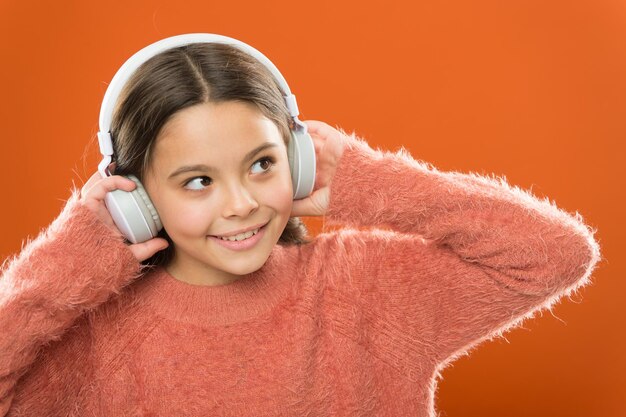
[237, 194]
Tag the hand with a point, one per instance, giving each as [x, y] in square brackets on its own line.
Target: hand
[92, 195]
[329, 145]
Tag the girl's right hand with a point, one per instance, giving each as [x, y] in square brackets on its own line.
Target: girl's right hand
[92, 196]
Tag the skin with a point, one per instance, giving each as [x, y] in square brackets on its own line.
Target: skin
[237, 195]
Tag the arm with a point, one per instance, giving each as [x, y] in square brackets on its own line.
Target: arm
[71, 267]
[465, 257]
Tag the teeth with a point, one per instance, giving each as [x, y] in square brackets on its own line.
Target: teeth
[240, 236]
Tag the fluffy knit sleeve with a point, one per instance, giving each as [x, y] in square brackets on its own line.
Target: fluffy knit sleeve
[451, 259]
[70, 268]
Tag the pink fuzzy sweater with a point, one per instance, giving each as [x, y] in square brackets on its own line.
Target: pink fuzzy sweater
[360, 322]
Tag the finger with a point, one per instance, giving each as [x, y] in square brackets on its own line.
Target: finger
[298, 208]
[315, 125]
[310, 206]
[97, 176]
[108, 184]
[91, 181]
[326, 131]
[144, 250]
[318, 142]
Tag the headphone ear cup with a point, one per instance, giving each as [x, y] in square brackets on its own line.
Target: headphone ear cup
[301, 155]
[133, 212]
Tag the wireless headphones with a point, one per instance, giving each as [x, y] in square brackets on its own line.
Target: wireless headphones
[133, 212]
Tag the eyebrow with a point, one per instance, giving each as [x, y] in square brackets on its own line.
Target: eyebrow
[206, 168]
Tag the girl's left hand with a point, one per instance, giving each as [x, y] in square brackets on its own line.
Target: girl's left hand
[329, 145]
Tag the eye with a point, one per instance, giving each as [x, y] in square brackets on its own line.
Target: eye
[198, 183]
[268, 162]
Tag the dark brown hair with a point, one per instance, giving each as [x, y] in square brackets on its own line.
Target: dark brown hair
[182, 77]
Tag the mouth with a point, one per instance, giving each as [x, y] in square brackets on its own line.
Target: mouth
[242, 242]
[241, 236]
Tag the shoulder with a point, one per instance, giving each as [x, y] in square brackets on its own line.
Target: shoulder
[348, 252]
[349, 246]
[119, 324]
[89, 349]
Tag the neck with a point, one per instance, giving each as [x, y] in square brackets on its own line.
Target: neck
[191, 272]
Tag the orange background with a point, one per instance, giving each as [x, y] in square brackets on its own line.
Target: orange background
[533, 90]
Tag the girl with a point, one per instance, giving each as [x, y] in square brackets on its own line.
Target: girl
[357, 321]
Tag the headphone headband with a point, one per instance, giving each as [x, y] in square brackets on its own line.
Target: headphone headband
[128, 68]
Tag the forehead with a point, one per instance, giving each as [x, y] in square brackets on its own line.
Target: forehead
[225, 131]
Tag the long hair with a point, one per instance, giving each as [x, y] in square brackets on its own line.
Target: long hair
[182, 77]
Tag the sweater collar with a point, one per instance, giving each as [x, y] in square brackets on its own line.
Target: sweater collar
[249, 296]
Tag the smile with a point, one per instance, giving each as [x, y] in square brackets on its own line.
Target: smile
[242, 241]
[241, 236]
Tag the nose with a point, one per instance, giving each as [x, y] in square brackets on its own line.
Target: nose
[239, 202]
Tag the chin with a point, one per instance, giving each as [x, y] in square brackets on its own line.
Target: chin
[247, 264]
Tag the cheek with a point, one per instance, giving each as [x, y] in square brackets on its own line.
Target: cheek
[185, 219]
[281, 196]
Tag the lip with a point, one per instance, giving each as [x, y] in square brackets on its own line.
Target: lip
[241, 245]
[258, 226]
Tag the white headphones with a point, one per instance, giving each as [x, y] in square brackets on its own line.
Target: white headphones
[133, 212]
